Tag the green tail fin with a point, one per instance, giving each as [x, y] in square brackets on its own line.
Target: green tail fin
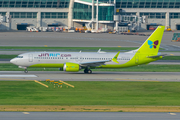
[152, 44]
[115, 58]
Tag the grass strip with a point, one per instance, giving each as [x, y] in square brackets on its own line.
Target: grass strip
[7, 56]
[91, 93]
[140, 68]
[171, 58]
[85, 108]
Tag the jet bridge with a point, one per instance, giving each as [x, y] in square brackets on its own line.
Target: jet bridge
[130, 22]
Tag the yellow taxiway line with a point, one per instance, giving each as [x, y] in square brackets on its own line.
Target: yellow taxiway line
[66, 83]
[40, 83]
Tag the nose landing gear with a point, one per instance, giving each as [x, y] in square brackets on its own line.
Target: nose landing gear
[25, 71]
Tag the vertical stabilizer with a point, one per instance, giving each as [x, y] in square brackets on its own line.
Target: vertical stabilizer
[152, 44]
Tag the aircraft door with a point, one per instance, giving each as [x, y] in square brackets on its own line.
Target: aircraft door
[30, 57]
[136, 59]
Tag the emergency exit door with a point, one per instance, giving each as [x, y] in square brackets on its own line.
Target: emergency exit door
[30, 57]
[136, 59]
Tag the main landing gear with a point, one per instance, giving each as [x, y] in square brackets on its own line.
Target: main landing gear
[87, 71]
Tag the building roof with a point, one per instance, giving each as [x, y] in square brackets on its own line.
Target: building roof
[89, 2]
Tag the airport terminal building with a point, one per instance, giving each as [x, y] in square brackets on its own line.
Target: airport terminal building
[78, 13]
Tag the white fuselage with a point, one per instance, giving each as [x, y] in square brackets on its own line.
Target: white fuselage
[32, 58]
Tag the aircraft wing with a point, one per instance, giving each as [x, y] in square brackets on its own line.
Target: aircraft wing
[94, 63]
[156, 56]
[99, 63]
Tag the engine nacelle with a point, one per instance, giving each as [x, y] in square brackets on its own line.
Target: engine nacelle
[71, 67]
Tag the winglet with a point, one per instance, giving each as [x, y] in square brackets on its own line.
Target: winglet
[115, 58]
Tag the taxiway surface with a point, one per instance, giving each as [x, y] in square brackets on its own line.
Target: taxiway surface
[95, 76]
[87, 116]
[81, 40]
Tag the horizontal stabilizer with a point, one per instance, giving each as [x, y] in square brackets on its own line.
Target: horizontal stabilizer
[157, 56]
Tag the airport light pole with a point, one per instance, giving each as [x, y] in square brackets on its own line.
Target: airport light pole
[97, 14]
[92, 14]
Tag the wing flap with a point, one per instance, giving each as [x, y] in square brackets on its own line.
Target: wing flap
[94, 63]
[99, 63]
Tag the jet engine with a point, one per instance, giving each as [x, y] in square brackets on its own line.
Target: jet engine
[71, 67]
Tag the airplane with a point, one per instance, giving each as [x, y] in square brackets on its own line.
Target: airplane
[75, 61]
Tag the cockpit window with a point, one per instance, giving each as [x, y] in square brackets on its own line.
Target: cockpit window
[19, 57]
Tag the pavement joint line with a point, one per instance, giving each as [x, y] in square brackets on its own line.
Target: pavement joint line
[3, 76]
[25, 113]
[172, 113]
[40, 83]
[66, 83]
[136, 80]
[15, 79]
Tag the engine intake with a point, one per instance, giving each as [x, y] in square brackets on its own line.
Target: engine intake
[71, 67]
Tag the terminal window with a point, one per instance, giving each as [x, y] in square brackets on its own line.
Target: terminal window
[54, 15]
[84, 12]
[3, 13]
[35, 3]
[147, 3]
[23, 14]
[174, 15]
[154, 15]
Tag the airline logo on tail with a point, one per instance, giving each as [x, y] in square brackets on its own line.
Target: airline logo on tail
[151, 44]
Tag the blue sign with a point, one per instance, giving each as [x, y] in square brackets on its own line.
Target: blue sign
[24, 23]
[54, 23]
[153, 23]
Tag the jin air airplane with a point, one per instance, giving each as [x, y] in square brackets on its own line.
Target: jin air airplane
[75, 61]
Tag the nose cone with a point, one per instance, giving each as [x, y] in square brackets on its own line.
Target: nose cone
[13, 61]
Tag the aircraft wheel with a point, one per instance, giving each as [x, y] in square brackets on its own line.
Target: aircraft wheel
[89, 71]
[85, 71]
[25, 71]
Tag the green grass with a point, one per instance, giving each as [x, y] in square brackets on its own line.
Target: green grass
[67, 48]
[140, 68]
[171, 58]
[90, 93]
[7, 56]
